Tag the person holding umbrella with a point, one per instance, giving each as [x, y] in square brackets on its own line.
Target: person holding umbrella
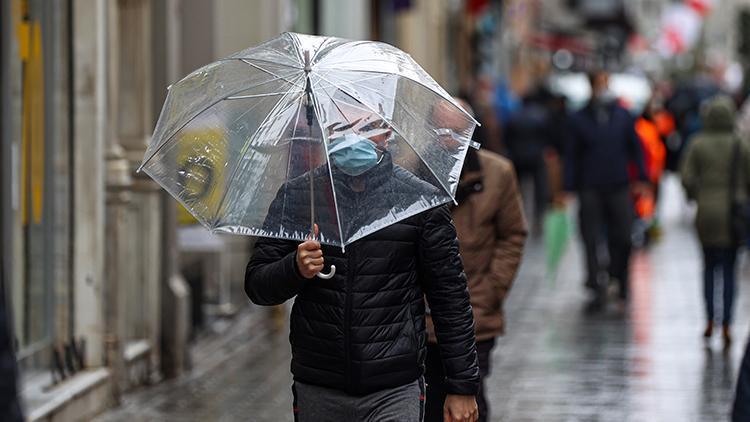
[358, 339]
[327, 150]
[492, 230]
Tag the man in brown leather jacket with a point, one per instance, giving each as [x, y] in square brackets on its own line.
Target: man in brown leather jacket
[492, 231]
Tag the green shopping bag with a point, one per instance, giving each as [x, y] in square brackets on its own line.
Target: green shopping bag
[557, 231]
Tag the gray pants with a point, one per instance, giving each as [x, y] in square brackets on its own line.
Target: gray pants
[320, 404]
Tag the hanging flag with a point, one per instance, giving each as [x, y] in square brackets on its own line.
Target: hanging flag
[681, 26]
[701, 7]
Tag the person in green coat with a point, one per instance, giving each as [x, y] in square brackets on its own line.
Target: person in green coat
[706, 177]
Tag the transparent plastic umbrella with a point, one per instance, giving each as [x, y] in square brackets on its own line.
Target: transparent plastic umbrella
[245, 143]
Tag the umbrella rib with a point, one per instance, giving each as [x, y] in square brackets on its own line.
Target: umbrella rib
[339, 108]
[397, 130]
[319, 49]
[406, 109]
[289, 163]
[176, 196]
[334, 62]
[351, 49]
[267, 94]
[260, 60]
[242, 153]
[297, 47]
[193, 117]
[328, 162]
[335, 104]
[319, 83]
[271, 73]
[443, 94]
[411, 114]
[258, 49]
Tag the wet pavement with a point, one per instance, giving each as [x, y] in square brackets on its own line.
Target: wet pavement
[560, 361]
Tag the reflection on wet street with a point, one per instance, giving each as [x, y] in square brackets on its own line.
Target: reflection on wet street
[560, 361]
[243, 376]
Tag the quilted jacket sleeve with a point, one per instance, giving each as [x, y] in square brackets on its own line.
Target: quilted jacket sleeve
[445, 287]
[272, 276]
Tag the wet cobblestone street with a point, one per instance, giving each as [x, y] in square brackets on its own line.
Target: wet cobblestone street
[560, 361]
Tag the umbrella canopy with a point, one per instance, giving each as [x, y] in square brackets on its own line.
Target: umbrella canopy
[351, 135]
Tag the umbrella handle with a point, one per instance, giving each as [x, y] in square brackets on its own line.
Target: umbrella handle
[325, 276]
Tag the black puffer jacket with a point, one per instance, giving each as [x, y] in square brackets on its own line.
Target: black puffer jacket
[363, 330]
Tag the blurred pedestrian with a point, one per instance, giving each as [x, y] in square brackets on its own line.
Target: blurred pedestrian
[528, 137]
[358, 340]
[480, 94]
[492, 230]
[654, 161]
[601, 145]
[741, 408]
[715, 173]
[10, 410]
[553, 155]
[684, 104]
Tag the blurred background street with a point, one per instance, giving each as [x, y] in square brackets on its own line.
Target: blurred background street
[117, 305]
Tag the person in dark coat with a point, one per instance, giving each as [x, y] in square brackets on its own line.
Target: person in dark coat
[359, 339]
[10, 409]
[527, 136]
[602, 145]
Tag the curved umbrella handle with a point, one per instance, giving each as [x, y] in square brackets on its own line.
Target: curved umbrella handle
[325, 276]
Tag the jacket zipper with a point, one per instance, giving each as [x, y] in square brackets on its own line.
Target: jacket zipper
[347, 318]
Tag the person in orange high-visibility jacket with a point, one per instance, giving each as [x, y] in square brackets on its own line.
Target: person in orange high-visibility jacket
[664, 122]
[654, 159]
[654, 152]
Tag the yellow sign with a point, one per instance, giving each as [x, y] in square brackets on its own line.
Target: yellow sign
[29, 37]
[201, 161]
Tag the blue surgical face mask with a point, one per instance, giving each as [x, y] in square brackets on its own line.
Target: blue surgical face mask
[353, 154]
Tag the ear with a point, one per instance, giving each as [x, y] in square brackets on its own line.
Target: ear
[387, 137]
